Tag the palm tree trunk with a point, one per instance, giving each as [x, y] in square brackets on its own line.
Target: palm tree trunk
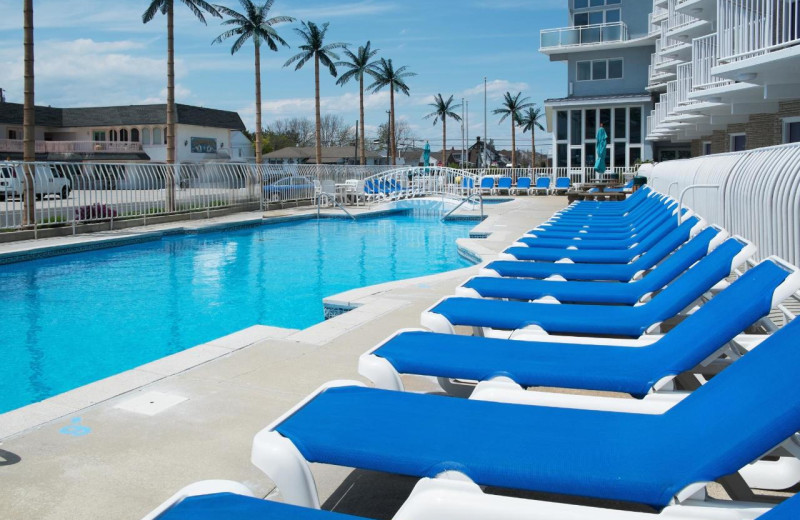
[170, 181]
[392, 137]
[361, 109]
[258, 104]
[29, 118]
[533, 149]
[318, 129]
[513, 144]
[444, 141]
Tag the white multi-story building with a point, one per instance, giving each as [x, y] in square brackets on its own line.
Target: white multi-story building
[607, 47]
[727, 75]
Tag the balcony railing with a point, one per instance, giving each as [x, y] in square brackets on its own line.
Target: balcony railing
[684, 85]
[668, 43]
[16, 145]
[749, 28]
[583, 35]
[677, 19]
[705, 56]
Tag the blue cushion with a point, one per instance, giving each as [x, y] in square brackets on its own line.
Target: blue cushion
[593, 292]
[789, 509]
[596, 319]
[619, 456]
[592, 367]
[229, 506]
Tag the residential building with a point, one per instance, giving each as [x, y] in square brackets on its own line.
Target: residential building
[126, 133]
[727, 75]
[330, 155]
[607, 47]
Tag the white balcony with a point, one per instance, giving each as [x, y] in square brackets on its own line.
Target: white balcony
[683, 26]
[568, 38]
[16, 145]
[758, 41]
[673, 48]
[702, 9]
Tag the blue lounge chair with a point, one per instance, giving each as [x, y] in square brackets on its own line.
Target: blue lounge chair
[614, 320]
[596, 271]
[437, 499]
[503, 184]
[562, 185]
[598, 256]
[594, 292]
[486, 185]
[636, 370]
[523, 185]
[649, 459]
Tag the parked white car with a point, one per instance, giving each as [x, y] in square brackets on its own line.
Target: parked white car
[48, 180]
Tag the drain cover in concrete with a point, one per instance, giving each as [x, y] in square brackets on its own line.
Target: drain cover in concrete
[151, 403]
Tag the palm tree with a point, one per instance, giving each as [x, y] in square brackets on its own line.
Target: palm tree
[512, 106]
[529, 121]
[386, 75]
[314, 47]
[443, 110]
[253, 24]
[166, 7]
[28, 116]
[359, 64]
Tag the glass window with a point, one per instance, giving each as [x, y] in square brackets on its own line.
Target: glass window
[156, 136]
[707, 148]
[605, 118]
[561, 125]
[591, 150]
[584, 70]
[591, 124]
[614, 69]
[792, 132]
[135, 135]
[613, 15]
[145, 136]
[561, 153]
[581, 19]
[634, 154]
[619, 154]
[738, 142]
[596, 3]
[612, 2]
[599, 69]
[619, 123]
[576, 117]
[575, 158]
[581, 4]
[12, 135]
[636, 125]
[595, 17]
[112, 135]
[99, 136]
[123, 135]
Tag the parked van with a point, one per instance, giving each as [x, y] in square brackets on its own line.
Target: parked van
[48, 180]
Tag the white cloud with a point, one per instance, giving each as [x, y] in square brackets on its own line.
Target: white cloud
[349, 10]
[496, 88]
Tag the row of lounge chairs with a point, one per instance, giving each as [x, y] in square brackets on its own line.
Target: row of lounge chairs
[524, 185]
[612, 296]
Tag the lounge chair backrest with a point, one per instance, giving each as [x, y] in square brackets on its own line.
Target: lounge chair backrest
[669, 243]
[524, 183]
[694, 282]
[744, 412]
[469, 182]
[369, 187]
[562, 182]
[487, 182]
[679, 261]
[543, 182]
[746, 300]
[504, 182]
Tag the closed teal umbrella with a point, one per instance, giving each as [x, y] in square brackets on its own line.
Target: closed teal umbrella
[426, 154]
[602, 145]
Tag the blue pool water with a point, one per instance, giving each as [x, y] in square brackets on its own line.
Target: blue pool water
[74, 319]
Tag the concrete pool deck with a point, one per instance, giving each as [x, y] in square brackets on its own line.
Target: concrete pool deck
[118, 447]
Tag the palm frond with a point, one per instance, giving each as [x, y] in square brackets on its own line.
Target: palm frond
[152, 9]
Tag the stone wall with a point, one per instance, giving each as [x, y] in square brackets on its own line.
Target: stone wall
[762, 130]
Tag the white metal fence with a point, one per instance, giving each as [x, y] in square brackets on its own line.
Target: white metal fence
[70, 193]
[758, 195]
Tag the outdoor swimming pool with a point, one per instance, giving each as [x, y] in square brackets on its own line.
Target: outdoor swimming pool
[74, 319]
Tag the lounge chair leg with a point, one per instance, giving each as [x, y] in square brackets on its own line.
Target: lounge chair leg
[381, 372]
[455, 389]
[281, 461]
[738, 489]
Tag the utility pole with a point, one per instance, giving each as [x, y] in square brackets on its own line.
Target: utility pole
[462, 132]
[467, 150]
[485, 122]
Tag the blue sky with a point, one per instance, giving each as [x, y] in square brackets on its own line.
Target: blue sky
[95, 53]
